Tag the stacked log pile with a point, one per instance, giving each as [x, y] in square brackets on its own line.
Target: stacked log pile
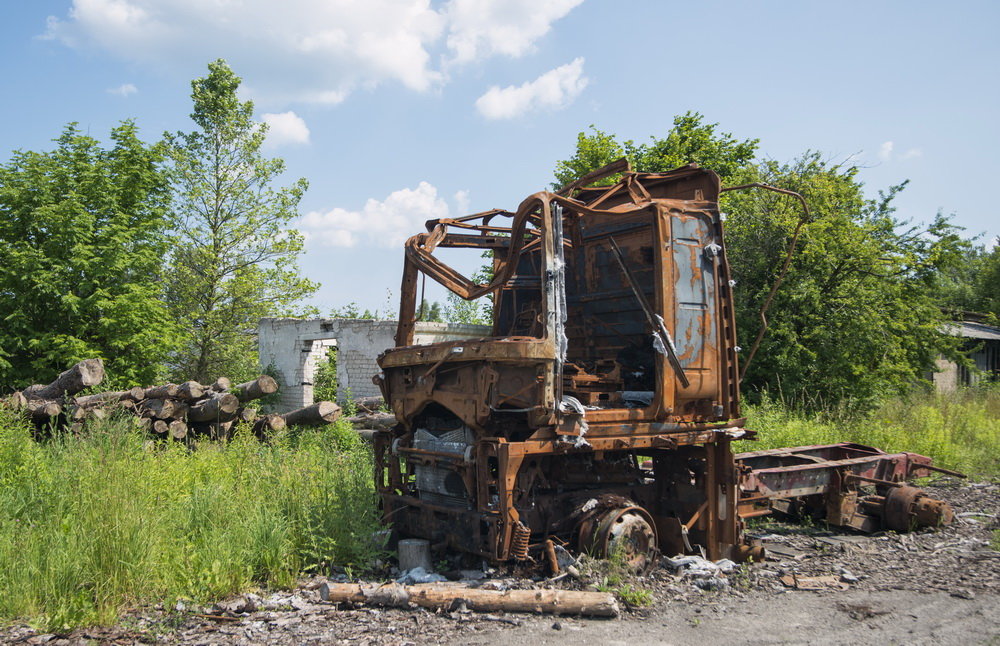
[169, 411]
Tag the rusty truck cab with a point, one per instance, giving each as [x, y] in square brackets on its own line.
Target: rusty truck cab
[600, 412]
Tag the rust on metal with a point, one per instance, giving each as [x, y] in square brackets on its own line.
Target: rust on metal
[848, 485]
[601, 410]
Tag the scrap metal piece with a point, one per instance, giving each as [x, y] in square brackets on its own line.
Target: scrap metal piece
[826, 479]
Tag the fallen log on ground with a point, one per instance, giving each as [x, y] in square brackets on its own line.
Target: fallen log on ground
[435, 596]
[316, 415]
[85, 374]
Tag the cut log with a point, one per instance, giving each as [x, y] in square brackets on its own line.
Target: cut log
[160, 427]
[369, 404]
[259, 387]
[376, 421]
[316, 415]
[85, 374]
[268, 424]
[245, 415]
[162, 408]
[191, 391]
[43, 408]
[162, 392]
[438, 596]
[15, 401]
[221, 407]
[177, 429]
[97, 399]
[221, 385]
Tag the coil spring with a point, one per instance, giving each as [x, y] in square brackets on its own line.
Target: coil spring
[519, 542]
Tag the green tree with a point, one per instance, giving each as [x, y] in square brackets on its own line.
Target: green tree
[83, 230]
[236, 257]
[987, 283]
[688, 141]
[430, 312]
[858, 315]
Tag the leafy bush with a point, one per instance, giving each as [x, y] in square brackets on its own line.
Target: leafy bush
[89, 525]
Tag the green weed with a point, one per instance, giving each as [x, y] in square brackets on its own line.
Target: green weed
[960, 430]
[90, 525]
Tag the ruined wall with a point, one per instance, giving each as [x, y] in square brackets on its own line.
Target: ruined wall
[295, 346]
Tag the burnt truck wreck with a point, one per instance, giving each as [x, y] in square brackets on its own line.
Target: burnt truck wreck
[600, 413]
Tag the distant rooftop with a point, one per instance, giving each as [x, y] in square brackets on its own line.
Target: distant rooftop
[974, 330]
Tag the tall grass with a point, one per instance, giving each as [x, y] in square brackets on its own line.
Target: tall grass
[91, 525]
[960, 430]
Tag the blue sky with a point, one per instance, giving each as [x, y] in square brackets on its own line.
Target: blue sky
[397, 111]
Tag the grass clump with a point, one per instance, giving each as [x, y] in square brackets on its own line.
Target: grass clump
[960, 430]
[90, 525]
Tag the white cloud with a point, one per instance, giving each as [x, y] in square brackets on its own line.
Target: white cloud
[123, 90]
[462, 202]
[309, 50]
[552, 90]
[482, 28]
[385, 223]
[885, 151]
[285, 128]
[912, 153]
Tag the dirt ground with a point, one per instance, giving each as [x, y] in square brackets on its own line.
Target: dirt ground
[928, 587]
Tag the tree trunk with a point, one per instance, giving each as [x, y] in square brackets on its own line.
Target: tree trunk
[438, 596]
[218, 408]
[259, 387]
[316, 415]
[88, 372]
